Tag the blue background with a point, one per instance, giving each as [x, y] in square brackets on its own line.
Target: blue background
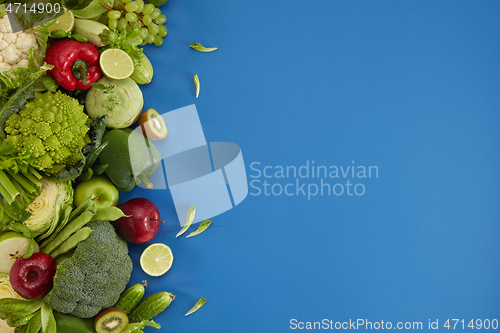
[411, 87]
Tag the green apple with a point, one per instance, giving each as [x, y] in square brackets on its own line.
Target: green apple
[100, 189]
[12, 246]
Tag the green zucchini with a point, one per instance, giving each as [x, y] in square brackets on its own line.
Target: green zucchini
[150, 307]
[130, 298]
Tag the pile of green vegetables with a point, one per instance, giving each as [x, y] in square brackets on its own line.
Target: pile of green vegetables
[52, 138]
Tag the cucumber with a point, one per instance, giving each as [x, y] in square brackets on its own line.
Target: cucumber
[130, 298]
[150, 307]
[144, 72]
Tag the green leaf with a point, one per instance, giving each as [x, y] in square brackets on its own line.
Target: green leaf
[203, 226]
[137, 327]
[31, 249]
[3, 11]
[48, 320]
[189, 220]
[197, 84]
[42, 33]
[201, 48]
[50, 83]
[93, 9]
[106, 89]
[35, 324]
[198, 305]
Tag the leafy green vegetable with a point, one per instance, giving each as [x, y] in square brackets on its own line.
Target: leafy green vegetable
[197, 84]
[127, 41]
[203, 226]
[14, 104]
[47, 207]
[198, 305]
[189, 220]
[201, 48]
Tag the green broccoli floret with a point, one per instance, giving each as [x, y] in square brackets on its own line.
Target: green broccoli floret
[95, 276]
[53, 128]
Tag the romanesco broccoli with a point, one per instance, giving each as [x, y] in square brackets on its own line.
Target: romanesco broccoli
[53, 128]
[94, 277]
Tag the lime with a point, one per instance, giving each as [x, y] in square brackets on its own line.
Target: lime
[156, 259]
[116, 64]
[65, 22]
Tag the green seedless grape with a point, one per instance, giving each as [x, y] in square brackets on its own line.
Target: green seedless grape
[148, 9]
[147, 20]
[136, 25]
[163, 31]
[143, 33]
[131, 7]
[131, 17]
[158, 41]
[161, 19]
[113, 24]
[114, 14]
[153, 29]
[156, 13]
[122, 24]
[141, 6]
[150, 39]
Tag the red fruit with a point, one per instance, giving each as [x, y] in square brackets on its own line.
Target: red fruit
[142, 224]
[32, 278]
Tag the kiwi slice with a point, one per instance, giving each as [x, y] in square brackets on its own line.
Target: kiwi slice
[112, 320]
[152, 124]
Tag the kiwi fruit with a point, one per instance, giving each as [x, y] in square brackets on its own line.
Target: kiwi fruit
[152, 125]
[112, 320]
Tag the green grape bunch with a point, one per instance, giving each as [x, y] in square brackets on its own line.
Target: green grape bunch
[145, 18]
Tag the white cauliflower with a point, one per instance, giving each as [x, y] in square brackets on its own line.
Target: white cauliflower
[14, 47]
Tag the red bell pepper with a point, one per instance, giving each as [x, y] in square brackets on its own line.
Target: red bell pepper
[76, 64]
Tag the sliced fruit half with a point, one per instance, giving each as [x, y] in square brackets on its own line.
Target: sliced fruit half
[65, 22]
[152, 124]
[156, 259]
[12, 246]
[116, 64]
[112, 320]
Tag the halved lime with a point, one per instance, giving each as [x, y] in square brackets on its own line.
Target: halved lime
[156, 259]
[65, 22]
[116, 64]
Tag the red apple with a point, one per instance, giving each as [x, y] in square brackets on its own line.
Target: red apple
[142, 224]
[32, 278]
